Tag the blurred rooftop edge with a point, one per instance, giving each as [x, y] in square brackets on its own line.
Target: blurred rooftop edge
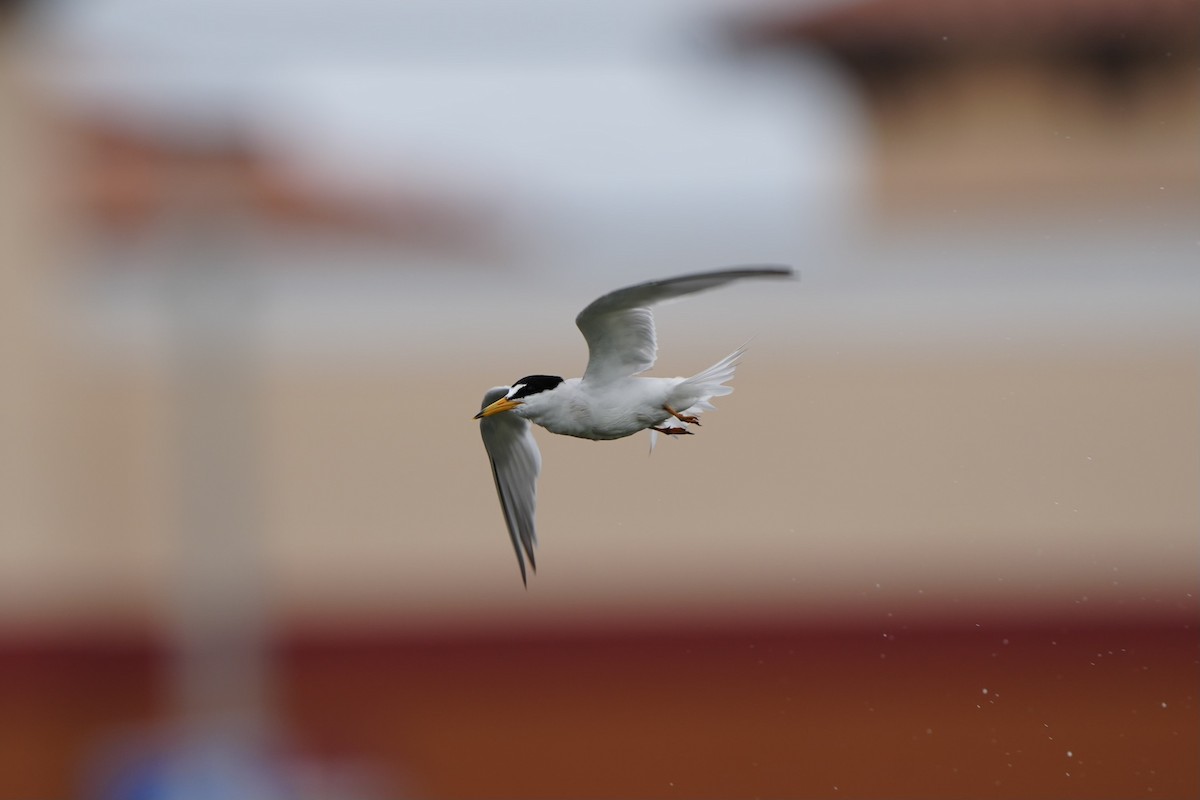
[260, 264]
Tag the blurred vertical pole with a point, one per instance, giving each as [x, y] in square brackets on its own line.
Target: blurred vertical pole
[228, 744]
[231, 746]
[220, 627]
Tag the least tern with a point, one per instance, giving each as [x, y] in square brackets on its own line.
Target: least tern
[610, 401]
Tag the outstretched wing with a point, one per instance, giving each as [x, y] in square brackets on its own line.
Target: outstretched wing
[516, 463]
[619, 327]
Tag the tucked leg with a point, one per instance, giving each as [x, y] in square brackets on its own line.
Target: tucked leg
[689, 419]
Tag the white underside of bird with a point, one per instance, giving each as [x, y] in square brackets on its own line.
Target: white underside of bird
[611, 401]
[623, 407]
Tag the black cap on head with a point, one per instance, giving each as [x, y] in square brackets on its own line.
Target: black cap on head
[532, 384]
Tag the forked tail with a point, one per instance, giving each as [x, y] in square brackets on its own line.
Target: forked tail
[711, 382]
[691, 396]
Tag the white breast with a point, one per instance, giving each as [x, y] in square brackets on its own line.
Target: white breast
[611, 411]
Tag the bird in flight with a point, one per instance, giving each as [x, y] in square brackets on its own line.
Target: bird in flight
[612, 400]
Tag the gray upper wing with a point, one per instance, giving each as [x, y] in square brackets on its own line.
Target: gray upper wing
[619, 327]
[516, 463]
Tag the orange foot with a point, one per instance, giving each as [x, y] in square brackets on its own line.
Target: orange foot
[675, 431]
[690, 420]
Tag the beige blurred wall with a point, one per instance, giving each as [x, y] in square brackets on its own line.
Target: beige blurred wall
[995, 477]
[1020, 476]
[985, 135]
[1054, 470]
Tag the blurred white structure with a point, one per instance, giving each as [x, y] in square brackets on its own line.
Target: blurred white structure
[617, 136]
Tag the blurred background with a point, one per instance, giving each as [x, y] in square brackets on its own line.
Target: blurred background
[259, 262]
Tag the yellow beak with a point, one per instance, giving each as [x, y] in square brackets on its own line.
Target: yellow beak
[503, 404]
